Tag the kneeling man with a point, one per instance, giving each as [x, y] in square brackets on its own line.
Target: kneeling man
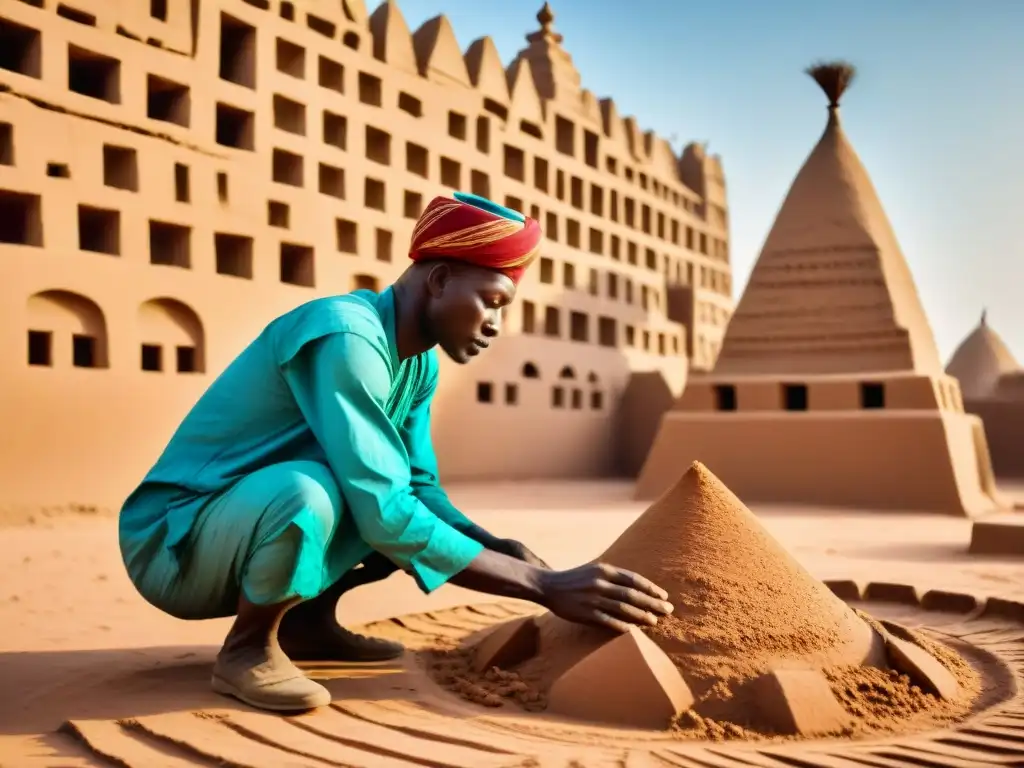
[307, 468]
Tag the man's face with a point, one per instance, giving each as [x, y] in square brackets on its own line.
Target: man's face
[464, 312]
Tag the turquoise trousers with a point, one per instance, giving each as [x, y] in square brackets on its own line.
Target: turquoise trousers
[273, 536]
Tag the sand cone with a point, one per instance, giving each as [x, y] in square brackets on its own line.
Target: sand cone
[743, 605]
[751, 642]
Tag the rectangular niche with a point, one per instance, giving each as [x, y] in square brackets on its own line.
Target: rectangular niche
[21, 49]
[330, 75]
[168, 101]
[335, 130]
[378, 145]
[346, 235]
[277, 214]
[291, 58]
[289, 115]
[237, 51]
[40, 348]
[331, 181]
[6, 144]
[120, 167]
[99, 230]
[297, 265]
[21, 220]
[94, 74]
[170, 244]
[288, 168]
[233, 255]
[235, 127]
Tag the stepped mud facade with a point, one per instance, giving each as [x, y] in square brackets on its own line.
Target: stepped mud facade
[828, 389]
[992, 382]
[175, 174]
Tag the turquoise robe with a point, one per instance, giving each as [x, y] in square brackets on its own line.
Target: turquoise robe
[316, 427]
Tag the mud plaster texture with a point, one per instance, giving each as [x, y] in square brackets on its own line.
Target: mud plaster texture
[743, 606]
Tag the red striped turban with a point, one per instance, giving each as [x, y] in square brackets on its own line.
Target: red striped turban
[478, 231]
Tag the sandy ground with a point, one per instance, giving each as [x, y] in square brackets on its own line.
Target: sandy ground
[76, 641]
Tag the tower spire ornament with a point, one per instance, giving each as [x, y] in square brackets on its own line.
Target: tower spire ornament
[834, 77]
[546, 19]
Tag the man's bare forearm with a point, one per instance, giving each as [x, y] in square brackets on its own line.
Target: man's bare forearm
[497, 574]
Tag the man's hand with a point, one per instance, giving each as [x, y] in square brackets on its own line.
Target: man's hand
[597, 593]
[519, 551]
[602, 595]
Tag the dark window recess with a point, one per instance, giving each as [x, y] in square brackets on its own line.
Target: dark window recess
[484, 392]
[872, 395]
[794, 397]
[83, 351]
[152, 357]
[186, 359]
[40, 348]
[725, 397]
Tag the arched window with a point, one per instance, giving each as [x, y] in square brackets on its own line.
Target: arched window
[66, 328]
[171, 336]
[592, 377]
[567, 373]
[530, 371]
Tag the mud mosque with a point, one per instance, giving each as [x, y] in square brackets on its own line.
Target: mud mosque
[175, 174]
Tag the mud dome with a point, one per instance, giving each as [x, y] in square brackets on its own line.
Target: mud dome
[756, 646]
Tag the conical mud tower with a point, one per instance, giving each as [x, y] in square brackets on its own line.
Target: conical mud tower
[829, 376]
[750, 641]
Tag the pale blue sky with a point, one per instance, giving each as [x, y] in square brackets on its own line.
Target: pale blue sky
[936, 114]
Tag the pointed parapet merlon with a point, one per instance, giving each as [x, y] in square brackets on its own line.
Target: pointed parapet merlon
[539, 74]
[629, 681]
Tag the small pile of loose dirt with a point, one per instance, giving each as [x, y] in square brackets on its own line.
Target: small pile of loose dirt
[885, 701]
[452, 668]
[690, 725]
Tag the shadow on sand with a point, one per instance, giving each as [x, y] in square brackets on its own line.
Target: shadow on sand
[46, 688]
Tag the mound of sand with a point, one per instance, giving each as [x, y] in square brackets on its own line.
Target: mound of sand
[756, 645]
[743, 604]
